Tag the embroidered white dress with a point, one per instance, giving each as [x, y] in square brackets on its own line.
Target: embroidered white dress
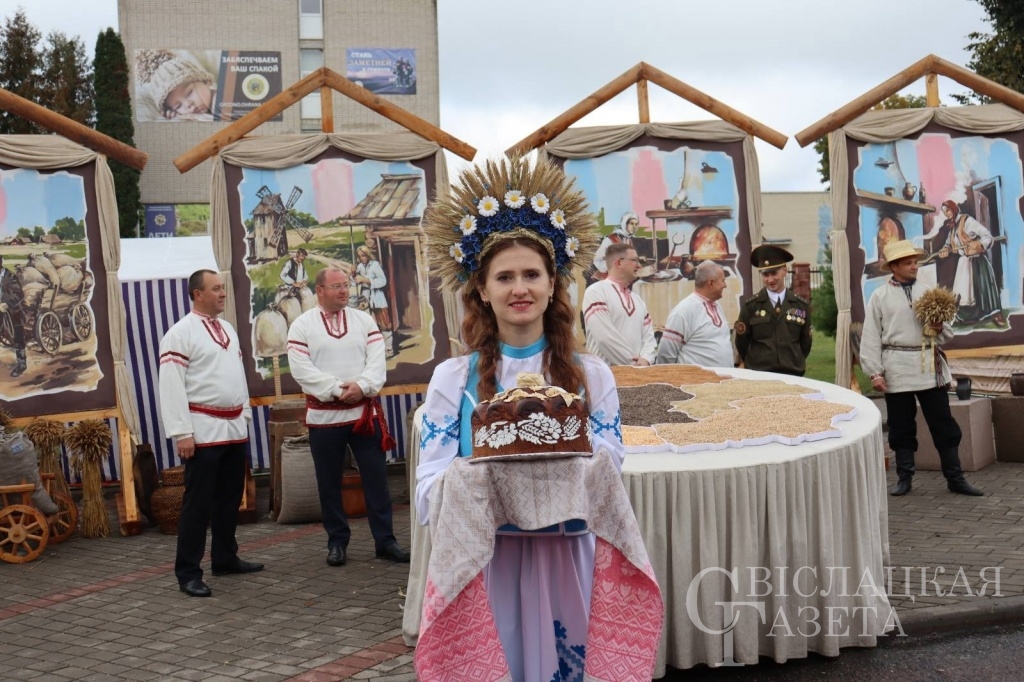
[539, 584]
[617, 324]
[696, 333]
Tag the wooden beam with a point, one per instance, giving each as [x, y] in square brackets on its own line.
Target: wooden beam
[980, 84]
[266, 400]
[713, 106]
[642, 102]
[845, 114]
[212, 145]
[561, 123]
[68, 417]
[73, 130]
[931, 89]
[326, 110]
[406, 119]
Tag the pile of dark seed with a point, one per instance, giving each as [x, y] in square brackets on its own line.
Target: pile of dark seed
[646, 405]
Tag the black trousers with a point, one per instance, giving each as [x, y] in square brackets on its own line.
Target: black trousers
[902, 419]
[214, 482]
[328, 447]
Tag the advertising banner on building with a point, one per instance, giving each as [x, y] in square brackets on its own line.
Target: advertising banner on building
[203, 85]
[383, 71]
[160, 220]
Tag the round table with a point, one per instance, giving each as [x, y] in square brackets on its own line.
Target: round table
[772, 550]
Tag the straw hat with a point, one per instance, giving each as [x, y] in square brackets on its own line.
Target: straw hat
[900, 249]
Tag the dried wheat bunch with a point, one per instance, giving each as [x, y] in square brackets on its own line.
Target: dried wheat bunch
[48, 436]
[935, 306]
[89, 442]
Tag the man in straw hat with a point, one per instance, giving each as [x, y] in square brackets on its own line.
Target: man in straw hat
[890, 351]
[773, 332]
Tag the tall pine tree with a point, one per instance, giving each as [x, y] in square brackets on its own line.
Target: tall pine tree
[20, 69]
[114, 118]
[67, 78]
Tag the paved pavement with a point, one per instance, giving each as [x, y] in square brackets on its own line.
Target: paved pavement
[109, 609]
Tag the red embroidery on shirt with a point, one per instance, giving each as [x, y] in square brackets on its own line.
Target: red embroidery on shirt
[625, 297]
[215, 330]
[337, 324]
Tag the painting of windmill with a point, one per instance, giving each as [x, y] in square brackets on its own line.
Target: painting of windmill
[271, 221]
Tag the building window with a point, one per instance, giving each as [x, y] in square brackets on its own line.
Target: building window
[310, 61]
[311, 20]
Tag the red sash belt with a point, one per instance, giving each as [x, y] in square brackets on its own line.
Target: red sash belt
[217, 412]
[372, 413]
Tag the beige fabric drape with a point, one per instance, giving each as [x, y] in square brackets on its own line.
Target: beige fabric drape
[888, 126]
[52, 152]
[285, 151]
[585, 143]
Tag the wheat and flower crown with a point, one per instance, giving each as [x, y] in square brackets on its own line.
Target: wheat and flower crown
[504, 199]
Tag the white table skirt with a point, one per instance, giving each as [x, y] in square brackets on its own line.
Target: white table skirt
[810, 521]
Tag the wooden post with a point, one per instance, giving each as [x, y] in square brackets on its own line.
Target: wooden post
[128, 516]
[713, 106]
[326, 110]
[399, 115]
[642, 101]
[931, 87]
[73, 130]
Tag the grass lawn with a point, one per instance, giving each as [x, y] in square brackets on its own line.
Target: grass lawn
[821, 363]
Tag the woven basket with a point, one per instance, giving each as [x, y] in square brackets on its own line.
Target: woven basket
[166, 500]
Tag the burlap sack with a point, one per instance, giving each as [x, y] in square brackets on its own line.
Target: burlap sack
[19, 464]
[300, 502]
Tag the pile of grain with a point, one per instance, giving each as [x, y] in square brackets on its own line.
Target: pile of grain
[635, 436]
[789, 417]
[711, 398]
[675, 375]
[646, 405]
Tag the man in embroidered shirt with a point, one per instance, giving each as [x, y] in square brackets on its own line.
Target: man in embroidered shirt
[773, 332]
[336, 353]
[293, 274]
[618, 328]
[204, 406]
[696, 332]
[891, 352]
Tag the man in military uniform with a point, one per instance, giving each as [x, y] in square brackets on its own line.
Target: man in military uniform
[773, 332]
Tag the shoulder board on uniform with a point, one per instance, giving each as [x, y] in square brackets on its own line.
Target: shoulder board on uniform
[801, 299]
[751, 299]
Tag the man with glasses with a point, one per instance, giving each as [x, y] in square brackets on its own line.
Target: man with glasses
[336, 353]
[618, 328]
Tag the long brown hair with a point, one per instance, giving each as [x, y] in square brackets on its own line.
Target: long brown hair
[480, 328]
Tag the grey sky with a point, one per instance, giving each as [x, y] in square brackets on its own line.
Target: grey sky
[508, 68]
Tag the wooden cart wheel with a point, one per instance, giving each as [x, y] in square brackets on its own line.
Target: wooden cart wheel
[64, 523]
[6, 330]
[23, 533]
[81, 321]
[49, 332]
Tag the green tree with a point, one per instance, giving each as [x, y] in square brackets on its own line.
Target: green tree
[20, 69]
[37, 233]
[67, 79]
[24, 233]
[998, 55]
[896, 101]
[114, 118]
[68, 229]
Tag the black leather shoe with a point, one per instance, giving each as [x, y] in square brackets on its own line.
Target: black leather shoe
[901, 488]
[195, 588]
[336, 556]
[960, 486]
[239, 567]
[394, 553]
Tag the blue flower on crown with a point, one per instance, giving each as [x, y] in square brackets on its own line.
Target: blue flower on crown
[515, 212]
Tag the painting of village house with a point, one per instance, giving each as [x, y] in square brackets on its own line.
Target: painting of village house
[49, 298]
[678, 205]
[959, 199]
[362, 216]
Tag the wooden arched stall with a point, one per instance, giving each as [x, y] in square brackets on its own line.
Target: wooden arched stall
[694, 187]
[892, 171]
[72, 314]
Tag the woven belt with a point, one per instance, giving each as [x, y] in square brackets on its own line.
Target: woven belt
[915, 349]
[218, 412]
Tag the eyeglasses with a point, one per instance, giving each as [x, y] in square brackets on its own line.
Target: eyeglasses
[334, 287]
[635, 260]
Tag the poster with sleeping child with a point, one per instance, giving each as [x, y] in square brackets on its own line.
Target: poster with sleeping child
[203, 85]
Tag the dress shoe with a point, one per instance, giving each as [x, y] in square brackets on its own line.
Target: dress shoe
[901, 488]
[394, 553]
[195, 588]
[962, 487]
[336, 556]
[238, 567]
